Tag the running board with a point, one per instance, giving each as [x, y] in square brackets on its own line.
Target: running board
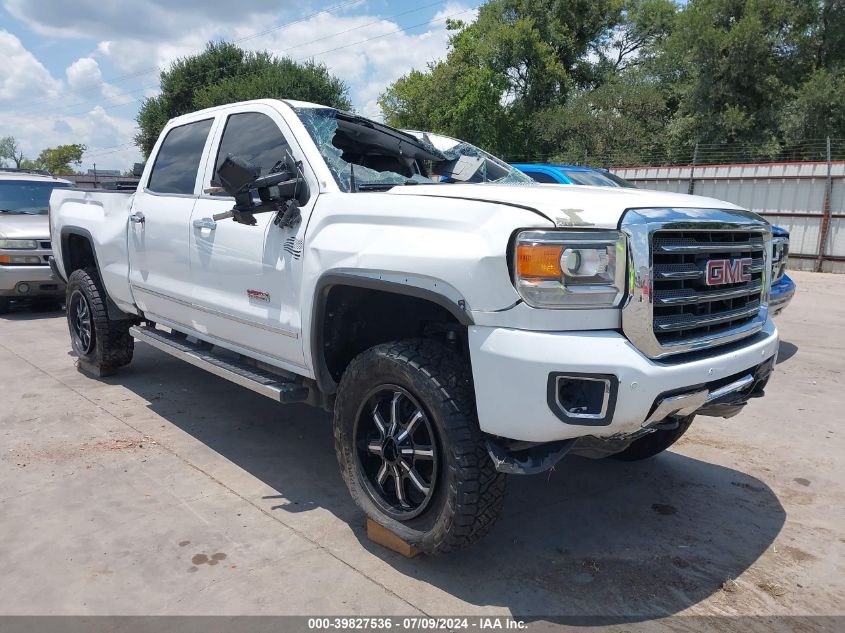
[244, 374]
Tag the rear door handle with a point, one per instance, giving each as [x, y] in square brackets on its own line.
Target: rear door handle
[137, 218]
[205, 223]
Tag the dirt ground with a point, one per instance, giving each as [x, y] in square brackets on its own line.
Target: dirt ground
[166, 490]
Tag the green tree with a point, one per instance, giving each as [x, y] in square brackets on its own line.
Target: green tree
[10, 150]
[59, 159]
[642, 27]
[619, 122]
[518, 58]
[727, 66]
[635, 80]
[224, 73]
[815, 103]
[817, 108]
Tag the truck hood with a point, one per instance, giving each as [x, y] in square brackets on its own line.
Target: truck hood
[567, 205]
[21, 226]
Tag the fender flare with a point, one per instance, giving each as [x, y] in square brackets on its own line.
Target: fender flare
[115, 313]
[372, 280]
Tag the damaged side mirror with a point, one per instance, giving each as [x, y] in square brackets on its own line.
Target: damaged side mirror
[281, 191]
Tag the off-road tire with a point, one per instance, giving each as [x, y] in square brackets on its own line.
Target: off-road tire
[112, 345]
[654, 443]
[468, 491]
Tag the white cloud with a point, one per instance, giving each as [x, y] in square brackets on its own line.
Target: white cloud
[368, 52]
[84, 75]
[144, 19]
[365, 51]
[85, 78]
[22, 76]
[107, 137]
[25, 81]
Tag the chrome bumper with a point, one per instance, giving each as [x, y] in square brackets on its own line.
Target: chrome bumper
[29, 281]
[721, 401]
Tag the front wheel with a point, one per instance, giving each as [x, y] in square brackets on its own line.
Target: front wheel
[97, 340]
[409, 447]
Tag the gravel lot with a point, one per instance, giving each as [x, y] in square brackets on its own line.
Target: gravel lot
[166, 490]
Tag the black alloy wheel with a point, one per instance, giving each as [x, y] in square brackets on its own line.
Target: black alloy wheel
[81, 323]
[397, 452]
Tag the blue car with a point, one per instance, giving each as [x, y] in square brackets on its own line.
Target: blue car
[783, 288]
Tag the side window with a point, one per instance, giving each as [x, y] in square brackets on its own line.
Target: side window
[541, 176]
[254, 137]
[178, 160]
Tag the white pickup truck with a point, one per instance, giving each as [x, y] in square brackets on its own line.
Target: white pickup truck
[461, 321]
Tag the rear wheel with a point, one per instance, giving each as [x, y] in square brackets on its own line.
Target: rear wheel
[409, 446]
[655, 442]
[102, 342]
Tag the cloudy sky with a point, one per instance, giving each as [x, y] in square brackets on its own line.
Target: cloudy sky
[77, 72]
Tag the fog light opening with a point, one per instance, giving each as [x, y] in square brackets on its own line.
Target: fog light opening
[23, 288]
[584, 399]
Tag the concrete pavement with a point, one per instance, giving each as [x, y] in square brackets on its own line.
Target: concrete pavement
[166, 490]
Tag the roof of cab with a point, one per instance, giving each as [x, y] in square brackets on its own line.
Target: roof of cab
[198, 114]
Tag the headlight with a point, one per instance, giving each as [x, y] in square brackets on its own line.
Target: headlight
[570, 269]
[18, 243]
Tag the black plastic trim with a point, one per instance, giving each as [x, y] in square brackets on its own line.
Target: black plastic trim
[530, 461]
[329, 280]
[551, 398]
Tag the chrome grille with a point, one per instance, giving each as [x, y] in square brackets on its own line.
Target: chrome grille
[685, 307]
[671, 309]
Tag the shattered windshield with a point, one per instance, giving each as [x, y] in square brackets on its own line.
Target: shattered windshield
[366, 155]
[491, 169]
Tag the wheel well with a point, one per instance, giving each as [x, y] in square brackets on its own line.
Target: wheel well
[77, 253]
[355, 319]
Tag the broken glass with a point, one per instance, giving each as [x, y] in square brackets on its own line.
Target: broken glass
[322, 126]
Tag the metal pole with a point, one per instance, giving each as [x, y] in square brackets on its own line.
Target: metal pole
[691, 186]
[825, 224]
[95, 175]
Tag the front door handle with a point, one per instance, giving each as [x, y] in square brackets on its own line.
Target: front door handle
[205, 223]
[137, 218]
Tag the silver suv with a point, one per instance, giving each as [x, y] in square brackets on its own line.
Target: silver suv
[25, 250]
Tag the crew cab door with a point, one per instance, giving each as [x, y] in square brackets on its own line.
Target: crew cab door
[159, 224]
[247, 279]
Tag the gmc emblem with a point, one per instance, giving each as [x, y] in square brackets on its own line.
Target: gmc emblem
[727, 271]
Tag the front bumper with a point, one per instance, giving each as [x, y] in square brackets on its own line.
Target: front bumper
[781, 294]
[37, 281]
[511, 371]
